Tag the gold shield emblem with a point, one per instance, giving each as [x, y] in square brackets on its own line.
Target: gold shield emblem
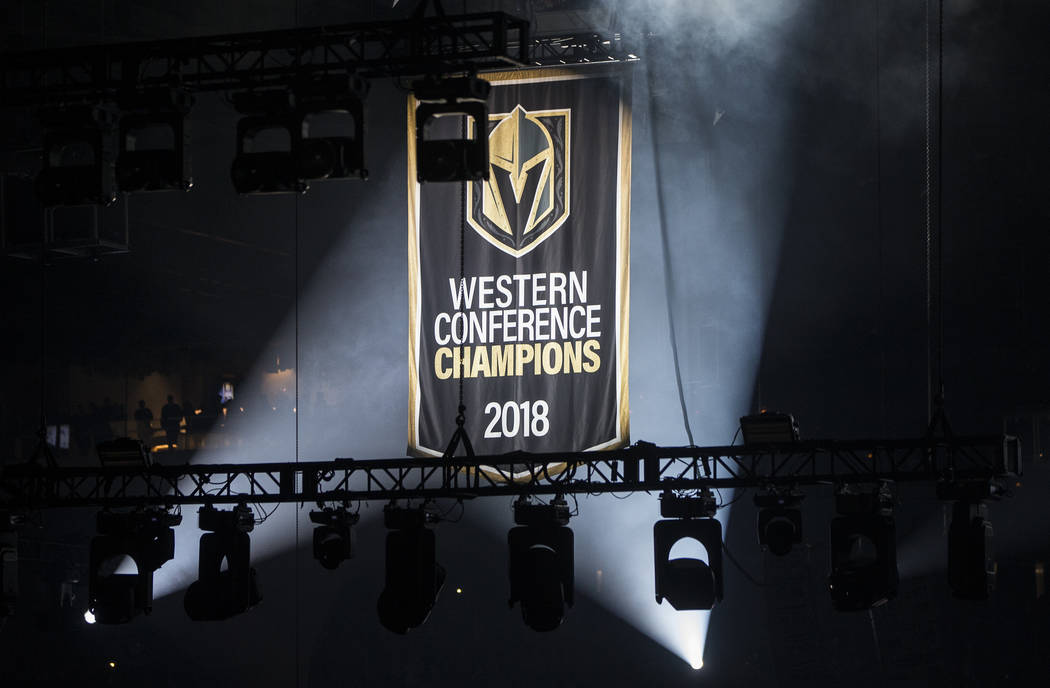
[526, 198]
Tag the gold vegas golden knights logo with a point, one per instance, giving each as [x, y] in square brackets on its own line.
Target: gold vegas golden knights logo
[526, 198]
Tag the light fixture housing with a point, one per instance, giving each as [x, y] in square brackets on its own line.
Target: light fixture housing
[971, 561]
[159, 167]
[333, 536]
[453, 158]
[769, 428]
[270, 171]
[218, 594]
[332, 156]
[779, 521]
[687, 582]
[123, 452]
[541, 563]
[413, 578]
[76, 170]
[863, 552]
[148, 539]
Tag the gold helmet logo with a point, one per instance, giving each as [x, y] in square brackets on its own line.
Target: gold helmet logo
[527, 195]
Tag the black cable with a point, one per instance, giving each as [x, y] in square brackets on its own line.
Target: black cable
[740, 568]
[668, 282]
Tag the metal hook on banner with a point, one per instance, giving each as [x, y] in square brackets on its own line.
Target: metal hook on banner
[460, 435]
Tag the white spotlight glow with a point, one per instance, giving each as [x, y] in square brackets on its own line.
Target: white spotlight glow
[697, 663]
[89, 616]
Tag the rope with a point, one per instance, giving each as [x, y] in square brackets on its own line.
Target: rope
[665, 244]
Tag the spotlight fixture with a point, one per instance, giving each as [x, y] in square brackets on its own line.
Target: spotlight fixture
[769, 428]
[147, 538]
[75, 170]
[779, 521]
[971, 563]
[541, 562]
[688, 583]
[219, 594]
[413, 577]
[8, 566]
[265, 162]
[863, 551]
[335, 103]
[153, 141]
[454, 157]
[333, 536]
[123, 452]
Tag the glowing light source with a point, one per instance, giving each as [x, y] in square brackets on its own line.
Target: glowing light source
[459, 591]
[89, 617]
[696, 663]
[111, 664]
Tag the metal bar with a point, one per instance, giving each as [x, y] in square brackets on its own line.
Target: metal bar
[29, 486]
[480, 41]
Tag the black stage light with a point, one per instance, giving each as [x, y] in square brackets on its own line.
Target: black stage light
[863, 552]
[8, 566]
[147, 538]
[75, 171]
[769, 428]
[541, 563]
[153, 153]
[123, 452]
[779, 522]
[413, 577]
[971, 564]
[333, 536]
[336, 104]
[455, 157]
[685, 582]
[269, 171]
[218, 594]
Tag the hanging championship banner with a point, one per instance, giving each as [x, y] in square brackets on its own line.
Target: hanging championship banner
[536, 330]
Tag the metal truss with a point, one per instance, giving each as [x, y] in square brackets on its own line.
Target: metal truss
[641, 467]
[482, 41]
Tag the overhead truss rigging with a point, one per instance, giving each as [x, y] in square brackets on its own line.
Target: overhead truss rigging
[638, 468]
[439, 44]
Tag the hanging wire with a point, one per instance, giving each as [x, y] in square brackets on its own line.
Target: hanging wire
[927, 193]
[747, 575]
[665, 244]
[942, 415]
[295, 412]
[878, 215]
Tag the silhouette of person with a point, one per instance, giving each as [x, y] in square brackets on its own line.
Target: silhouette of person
[187, 415]
[170, 416]
[143, 416]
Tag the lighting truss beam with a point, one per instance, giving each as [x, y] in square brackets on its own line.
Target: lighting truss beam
[481, 41]
[641, 467]
[268, 58]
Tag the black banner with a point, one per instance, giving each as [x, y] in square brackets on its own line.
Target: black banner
[536, 331]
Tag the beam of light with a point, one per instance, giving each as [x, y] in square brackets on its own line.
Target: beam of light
[351, 374]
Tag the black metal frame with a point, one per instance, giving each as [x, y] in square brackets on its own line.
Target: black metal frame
[641, 467]
[422, 45]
